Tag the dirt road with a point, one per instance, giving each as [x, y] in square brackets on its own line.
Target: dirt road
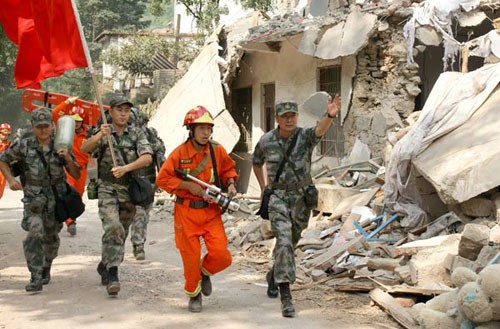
[151, 295]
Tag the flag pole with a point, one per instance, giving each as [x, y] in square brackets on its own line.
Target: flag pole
[94, 80]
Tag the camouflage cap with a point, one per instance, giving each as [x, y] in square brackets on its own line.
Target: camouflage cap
[117, 101]
[41, 116]
[283, 107]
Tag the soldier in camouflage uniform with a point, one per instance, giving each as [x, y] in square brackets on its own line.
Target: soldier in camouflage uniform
[139, 226]
[43, 171]
[115, 209]
[287, 210]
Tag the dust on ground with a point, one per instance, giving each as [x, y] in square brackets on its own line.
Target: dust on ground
[152, 290]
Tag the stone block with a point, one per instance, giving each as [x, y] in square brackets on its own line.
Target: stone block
[474, 238]
[478, 207]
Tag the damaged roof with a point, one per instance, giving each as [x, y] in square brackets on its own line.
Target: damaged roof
[344, 34]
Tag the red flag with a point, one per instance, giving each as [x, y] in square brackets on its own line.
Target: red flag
[46, 33]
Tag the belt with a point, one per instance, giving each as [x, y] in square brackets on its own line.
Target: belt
[291, 186]
[195, 204]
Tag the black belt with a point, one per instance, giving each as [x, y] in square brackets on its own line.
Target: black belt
[291, 186]
[195, 204]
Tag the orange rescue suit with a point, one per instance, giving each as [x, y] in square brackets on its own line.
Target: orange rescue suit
[81, 158]
[189, 223]
[3, 181]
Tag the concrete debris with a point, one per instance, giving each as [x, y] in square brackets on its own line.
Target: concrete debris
[308, 43]
[347, 38]
[440, 147]
[351, 251]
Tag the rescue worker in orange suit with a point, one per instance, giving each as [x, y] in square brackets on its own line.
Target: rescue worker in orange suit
[194, 216]
[68, 108]
[5, 131]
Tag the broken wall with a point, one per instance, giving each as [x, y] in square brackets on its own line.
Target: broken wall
[384, 90]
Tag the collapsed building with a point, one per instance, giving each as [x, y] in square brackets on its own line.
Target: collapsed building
[406, 174]
[382, 57]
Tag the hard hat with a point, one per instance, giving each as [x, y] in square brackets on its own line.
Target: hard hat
[198, 114]
[77, 113]
[5, 126]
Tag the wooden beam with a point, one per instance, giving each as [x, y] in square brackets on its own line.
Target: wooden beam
[393, 308]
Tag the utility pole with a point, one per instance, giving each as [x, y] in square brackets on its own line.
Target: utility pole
[177, 22]
[177, 33]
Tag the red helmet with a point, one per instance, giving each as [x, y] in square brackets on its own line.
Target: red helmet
[77, 113]
[198, 114]
[5, 126]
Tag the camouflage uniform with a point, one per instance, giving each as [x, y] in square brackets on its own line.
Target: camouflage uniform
[115, 209]
[287, 211]
[41, 244]
[141, 219]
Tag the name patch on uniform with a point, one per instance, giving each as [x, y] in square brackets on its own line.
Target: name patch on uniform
[186, 161]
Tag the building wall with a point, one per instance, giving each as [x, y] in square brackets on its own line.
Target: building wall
[286, 6]
[294, 75]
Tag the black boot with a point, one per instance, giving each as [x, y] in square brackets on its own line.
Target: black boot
[35, 282]
[139, 253]
[195, 304]
[272, 289]
[113, 286]
[46, 275]
[206, 285]
[103, 272]
[287, 309]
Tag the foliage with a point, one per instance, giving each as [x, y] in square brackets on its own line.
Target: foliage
[135, 57]
[76, 82]
[10, 97]
[207, 13]
[165, 20]
[98, 15]
[261, 5]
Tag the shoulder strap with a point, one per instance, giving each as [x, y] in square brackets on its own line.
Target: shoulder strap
[46, 166]
[214, 164]
[124, 156]
[201, 166]
[285, 158]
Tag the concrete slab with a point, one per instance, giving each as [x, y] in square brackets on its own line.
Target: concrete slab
[316, 104]
[330, 196]
[464, 162]
[308, 44]
[349, 65]
[319, 7]
[360, 152]
[347, 38]
[201, 85]
[428, 36]
[471, 18]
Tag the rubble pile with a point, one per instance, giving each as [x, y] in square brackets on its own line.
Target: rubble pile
[351, 245]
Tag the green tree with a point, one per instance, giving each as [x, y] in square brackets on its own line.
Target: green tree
[135, 56]
[207, 13]
[260, 5]
[10, 97]
[98, 15]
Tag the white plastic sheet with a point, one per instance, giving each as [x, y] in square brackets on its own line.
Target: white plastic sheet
[453, 100]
